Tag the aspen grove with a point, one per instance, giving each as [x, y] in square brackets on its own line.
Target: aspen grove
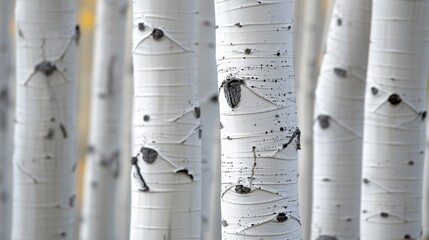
[214, 119]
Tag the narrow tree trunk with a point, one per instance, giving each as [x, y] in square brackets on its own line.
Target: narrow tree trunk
[310, 46]
[44, 145]
[5, 167]
[166, 167]
[208, 92]
[339, 123]
[103, 161]
[394, 128]
[259, 133]
[426, 188]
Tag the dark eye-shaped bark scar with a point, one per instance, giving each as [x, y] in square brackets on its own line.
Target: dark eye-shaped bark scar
[185, 171]
[232, 90]
[111, 163]
[138, 176]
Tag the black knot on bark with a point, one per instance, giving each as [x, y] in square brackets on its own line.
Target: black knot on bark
[327, 237]
[46, 67]
[324, 121]
[149, 155]
[157, 34]
[141, 26]
[394, 99]
[340, 72]
[281, 217]
[242, 189]
[374, 90]
[197, 112]
[232, 90]
[384, 214]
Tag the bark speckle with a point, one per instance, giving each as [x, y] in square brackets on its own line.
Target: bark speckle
[146, 118]
[340, 72]
[157, 34]
[374, 91]
[394, 99]
[63, 130]
[49, 134]
[232, 90]
[324, 121]
[242, 189]
[141, 26]
[149, 155]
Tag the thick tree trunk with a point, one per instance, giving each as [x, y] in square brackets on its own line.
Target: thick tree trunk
[259, 133]
[208, 92]
[339, 123]
[44, 144]
[166, 166]
[103, 161]
[394, 128]
[5, 157]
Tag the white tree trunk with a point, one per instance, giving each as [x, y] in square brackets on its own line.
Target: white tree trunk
[166, 166]
[44, 144]
[259, 132]
[338, 127]
[103, 160]
[310, 46]
[394, 127]
[426, 188]
[208, 92]
[5, 158]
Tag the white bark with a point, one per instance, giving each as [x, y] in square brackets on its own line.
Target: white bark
[5, 157]
[310, 46]
[166, 167]
[44, 144]
[394, 127]
[338, 126]
[259, 132]
[103, 159]
[208, 92]
[426, 188]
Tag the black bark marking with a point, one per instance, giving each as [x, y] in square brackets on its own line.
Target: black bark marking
[138, 175]
[45, 67]
[340, 72]
[339, 22]
[242, 189]
[146, 118]
[110, 88]
[326, 180]
[111, 163]
[423, 115]
[374, 90]
[281, 217]
[214, 98]
[20, 33]
[365, 180]
[296, 134]
[232, 90]
[324, 121]
[220, 125]
[157, 33]
[94, 184]
[72, 200]
[185, 171]
[77, 34]
[49, 134]
[200, 133]
[63, 130]
[224, 223]
[282, 129]
[247, 51]
[411, 163]
[149, 155]
[141, 26]
[197, 112]
[74, 167]
[4, 101]
[238, 24]
[384, 214]
[63, 234]
[327, 237]
[394, 99]
[278, 54]
[407, 236]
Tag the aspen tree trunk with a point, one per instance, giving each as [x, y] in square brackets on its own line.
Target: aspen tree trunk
[394, 127]
[5, 158]
[338, 127]
[44, 144]
[259, 132]
[103, 161]
[208, 92]
[426, 188]
[309, 53]
[166, 166]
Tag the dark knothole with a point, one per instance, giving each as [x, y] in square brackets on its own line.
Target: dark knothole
[340, 72]
[197, 112]
[423, 114]
[247, 51]
[146, 118]
[323, 121]
[63, 130]
[339, 22]
[232, 90]
[407, 236]
[185, 171]
[281, 217]
[384, 214]
[157, 34]
[394, 99]
[365, 180]
[327, 237]
[224, 223]
[46, 67]
[238, 24]
[141, 26]
[374, 90]
[242, 189]
[149, 155]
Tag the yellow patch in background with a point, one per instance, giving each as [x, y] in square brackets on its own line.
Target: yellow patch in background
[86, 19]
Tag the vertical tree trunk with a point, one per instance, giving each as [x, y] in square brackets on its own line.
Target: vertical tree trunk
[310, 46]
[44, 144]
[426, 188]
[102, 171]
[5, 75]
[394, 127]
[259, 133]
[166, 167]
[338, 128]
[208, 93]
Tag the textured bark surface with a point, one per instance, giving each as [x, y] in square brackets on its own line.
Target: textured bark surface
[259, 131]
[103, 157]
[166, 162]
[44, 145]
[338, 127]
[5, 157]
[395, 114]
[208, 95]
